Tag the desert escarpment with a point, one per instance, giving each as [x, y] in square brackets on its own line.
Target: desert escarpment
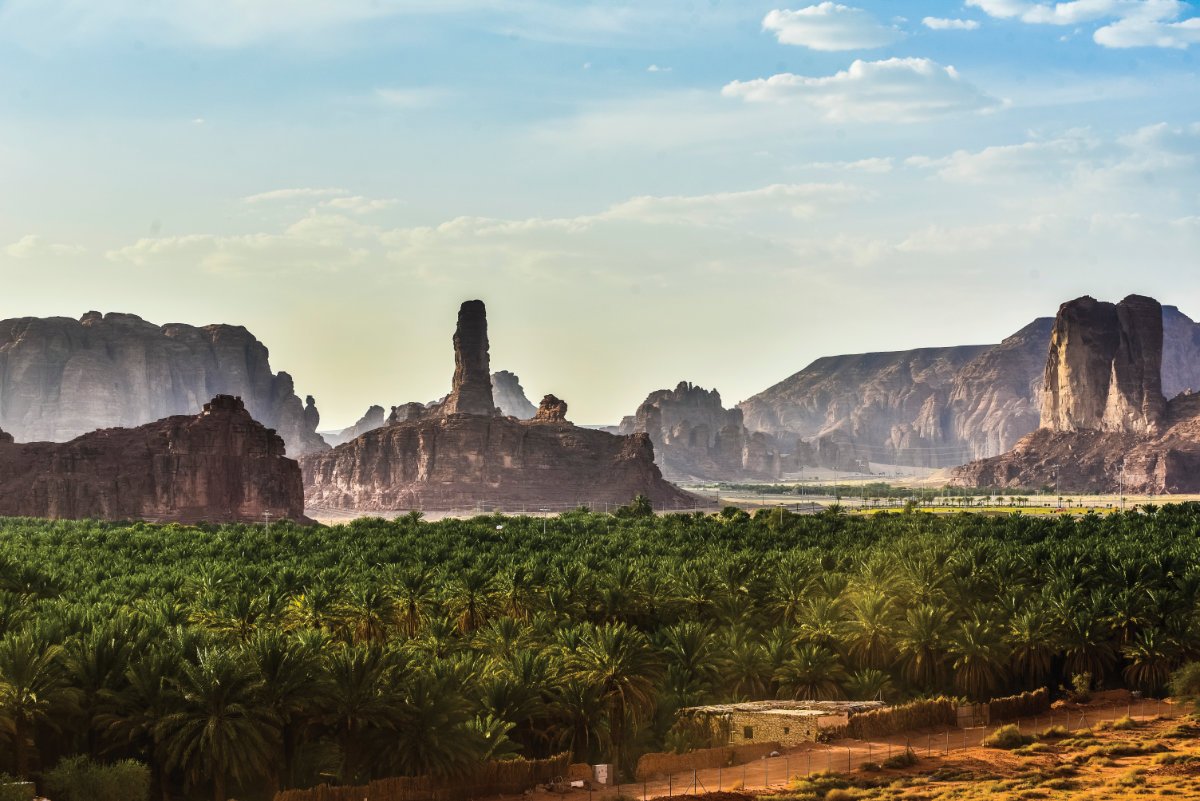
[1106, 425]
[60, 378]
[940, 407]
[463, 453]
[218, 466]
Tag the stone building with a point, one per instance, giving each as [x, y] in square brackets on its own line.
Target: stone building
[785, 722]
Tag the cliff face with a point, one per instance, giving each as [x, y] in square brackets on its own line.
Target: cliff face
[890, 407]
[1105, 422]
[373, 418]
[60, 378]
[942, 407]
[509, 396]
[1104, 370]
[464, 453]
[218, 466]
[696, 438]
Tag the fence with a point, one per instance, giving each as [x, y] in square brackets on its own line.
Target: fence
[510, 776]
[651, 766]
[1019, 706]
[891, 720]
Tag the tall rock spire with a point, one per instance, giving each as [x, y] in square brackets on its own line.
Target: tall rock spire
[472, 389]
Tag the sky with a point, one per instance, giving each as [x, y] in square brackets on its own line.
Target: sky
[642, 193]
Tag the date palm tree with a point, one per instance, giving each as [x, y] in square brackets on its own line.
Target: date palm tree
[812, 673]
[33, 692]
[220, 731]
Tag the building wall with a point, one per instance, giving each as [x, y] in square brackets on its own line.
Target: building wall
[784, 729]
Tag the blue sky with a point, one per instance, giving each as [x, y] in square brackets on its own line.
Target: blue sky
[708, 191]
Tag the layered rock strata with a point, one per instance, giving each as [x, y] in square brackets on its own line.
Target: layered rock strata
[60, 378]
[218, 466]
[464, 454]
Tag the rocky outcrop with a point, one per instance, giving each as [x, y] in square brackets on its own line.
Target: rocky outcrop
[696, 438]
[472, 388]
[218, 466]
[372, 419]
[464, 454]
[60, 378]
[551, 410]
[509, 396]
[1105, 422]
[942, 407]
[1104, 369]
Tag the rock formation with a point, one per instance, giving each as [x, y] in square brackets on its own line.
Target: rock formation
[464, 454]
[1104, 370]
[1105, 422]
[218, 466]
[551, 410]
[472, 388]
[60, 378]
[372, 419]
[510, 396]
[696, 438]
[942, 407]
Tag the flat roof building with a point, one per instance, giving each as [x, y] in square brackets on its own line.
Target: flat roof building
[784, 722]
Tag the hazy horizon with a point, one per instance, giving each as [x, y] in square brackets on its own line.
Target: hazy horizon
[642, 194]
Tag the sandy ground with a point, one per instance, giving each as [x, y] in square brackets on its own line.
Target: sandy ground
[948, 744]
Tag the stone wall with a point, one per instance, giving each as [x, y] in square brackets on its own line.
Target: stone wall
[791, 729]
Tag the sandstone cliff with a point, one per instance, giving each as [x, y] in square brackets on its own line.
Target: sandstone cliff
[463, 453]
[696, 438]
[942, 407]
[372, 419]
[60, 378]
[218, 466]
[1105, 421]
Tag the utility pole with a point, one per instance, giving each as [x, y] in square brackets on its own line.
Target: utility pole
[1122, 485]
[267, 519]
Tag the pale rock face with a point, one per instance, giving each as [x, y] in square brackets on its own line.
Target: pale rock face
[60, 378]
[509, 396]
[1104, 369]
[218, 466]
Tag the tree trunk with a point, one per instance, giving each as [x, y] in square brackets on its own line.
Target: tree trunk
[19, 751]
[219, 786]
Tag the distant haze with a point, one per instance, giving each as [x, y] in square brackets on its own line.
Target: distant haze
[642, 193]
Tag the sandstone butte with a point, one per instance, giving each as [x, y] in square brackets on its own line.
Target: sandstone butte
[60, 378]
[463, 453]
[218, 466]
[1105, 423]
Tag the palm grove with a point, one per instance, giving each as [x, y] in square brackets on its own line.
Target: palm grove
[239, 659]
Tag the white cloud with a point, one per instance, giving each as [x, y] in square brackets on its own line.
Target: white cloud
[1131, 23]
[1149, 33]
[358, 204]
[942, 24]
[656, 68]
[873, 165]
[295, 193]
[830, 26]
[895, 90]
[32, 246]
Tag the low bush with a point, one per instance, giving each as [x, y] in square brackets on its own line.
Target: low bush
[1033, 749]
[1053, 733]
[1007, 737]
[80, 779]
[14, 789]
[905, 759]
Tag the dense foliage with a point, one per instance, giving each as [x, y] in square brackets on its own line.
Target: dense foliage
[240, 659]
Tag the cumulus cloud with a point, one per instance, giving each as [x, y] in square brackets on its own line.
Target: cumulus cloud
[32, 246]
[942, 24]
[1129, 23]
[830, 26]
[897, 89]
[294, 193]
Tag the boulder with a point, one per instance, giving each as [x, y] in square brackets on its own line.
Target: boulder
[551, 410]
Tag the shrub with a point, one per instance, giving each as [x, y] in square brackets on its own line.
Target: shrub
[1033, 749]
[1053, 733]
[1007, 737]
[1081, 688]
[80, 779]
[1185, 682]
[14, 789]
[905, 759]
[838, 794]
